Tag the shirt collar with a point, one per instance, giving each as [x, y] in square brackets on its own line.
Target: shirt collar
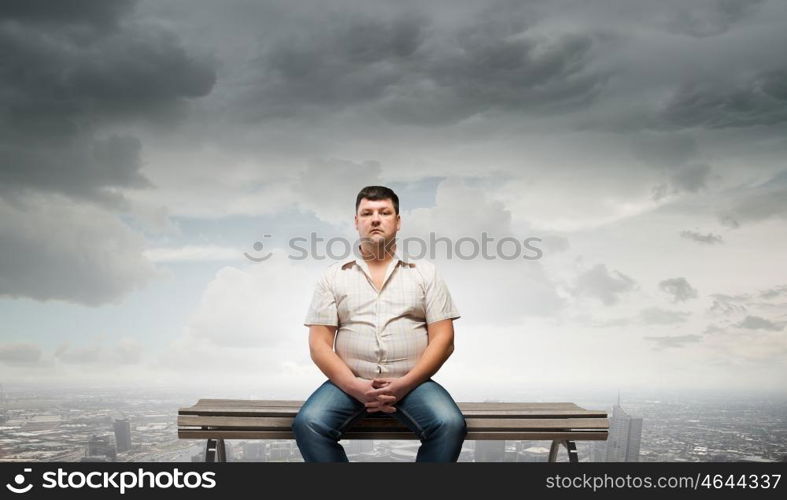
[395, 261]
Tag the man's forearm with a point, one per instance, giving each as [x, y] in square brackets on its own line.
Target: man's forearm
[435, 354]
[333, 366]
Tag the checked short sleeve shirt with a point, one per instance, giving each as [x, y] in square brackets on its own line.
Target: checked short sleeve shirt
[380, 333]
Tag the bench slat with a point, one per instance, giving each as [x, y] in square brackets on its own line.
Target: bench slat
[252, 403]
[538, 410]
[272, 419]
[250, 412]
[471, 405]
[475, 405]
[390, 423]
[388, 435]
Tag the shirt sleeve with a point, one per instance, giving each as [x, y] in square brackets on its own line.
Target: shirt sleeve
[439, 305]
[322, 310]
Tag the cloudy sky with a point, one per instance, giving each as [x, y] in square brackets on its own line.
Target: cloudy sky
[145, 146]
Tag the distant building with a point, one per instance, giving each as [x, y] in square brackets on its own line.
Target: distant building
[490, 451]
[3, 411]
[282, 451]
[532, 454]
[358, 446]
[253, 451]
[122, 434]
[403, 451]
[625, 436]
[99, 446]
[598, 451]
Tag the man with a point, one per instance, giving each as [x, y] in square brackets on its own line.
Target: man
[392, 326]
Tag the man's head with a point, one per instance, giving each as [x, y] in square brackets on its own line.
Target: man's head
[377, 193]
[377, 214]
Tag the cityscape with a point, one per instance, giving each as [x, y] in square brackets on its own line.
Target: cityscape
[91, 424]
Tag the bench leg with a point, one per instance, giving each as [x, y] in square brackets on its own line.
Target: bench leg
[570, 447]
[215, 451]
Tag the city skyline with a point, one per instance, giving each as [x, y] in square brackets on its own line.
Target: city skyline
[62, 426]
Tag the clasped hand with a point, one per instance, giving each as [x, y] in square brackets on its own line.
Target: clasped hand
[384, 393]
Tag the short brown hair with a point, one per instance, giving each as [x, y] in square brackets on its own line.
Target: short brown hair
[376, 193]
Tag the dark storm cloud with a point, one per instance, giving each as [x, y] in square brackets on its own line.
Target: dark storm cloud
[347, 60]
[84, 168]
[101, 14]
[755, 203]
[52, 250]
[685, 178]
[759, 100]
[691, 178]
[706, 18]
[413, 70]
[679, 289]
[704, 239]
[582, 65]
[675, 154]
[664, 149]
[69, 73]
[75, 76]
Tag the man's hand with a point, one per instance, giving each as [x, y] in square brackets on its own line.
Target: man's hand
[385, 393]
[321, 339]
[361, 388]
[388, 391]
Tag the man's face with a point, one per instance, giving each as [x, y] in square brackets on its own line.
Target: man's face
[377, 220]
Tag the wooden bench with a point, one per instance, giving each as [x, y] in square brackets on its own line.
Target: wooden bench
[562, 423]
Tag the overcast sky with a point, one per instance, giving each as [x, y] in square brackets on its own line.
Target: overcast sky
[145, 146]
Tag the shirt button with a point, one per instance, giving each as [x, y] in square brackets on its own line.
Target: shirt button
[379, 369]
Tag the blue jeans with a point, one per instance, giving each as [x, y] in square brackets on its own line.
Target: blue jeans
[428, 410]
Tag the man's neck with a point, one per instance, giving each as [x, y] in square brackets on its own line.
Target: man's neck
[378, 254]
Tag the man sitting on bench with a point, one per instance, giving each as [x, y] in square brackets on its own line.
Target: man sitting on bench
[392, 323]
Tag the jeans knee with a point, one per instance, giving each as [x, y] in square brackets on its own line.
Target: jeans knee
[458, 425]
[308, 423]
[304, 423]
[451, 425]
[299, 425]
